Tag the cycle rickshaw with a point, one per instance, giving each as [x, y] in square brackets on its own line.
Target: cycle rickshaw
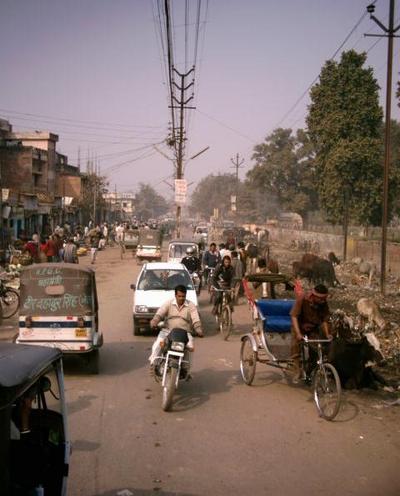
[269, 343]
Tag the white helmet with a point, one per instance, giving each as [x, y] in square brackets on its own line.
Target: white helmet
[189, 250]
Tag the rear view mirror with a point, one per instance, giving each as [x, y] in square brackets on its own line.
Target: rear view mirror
[133, 286]
[56, 290]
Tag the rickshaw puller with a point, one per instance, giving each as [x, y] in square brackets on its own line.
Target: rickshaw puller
[309, 315]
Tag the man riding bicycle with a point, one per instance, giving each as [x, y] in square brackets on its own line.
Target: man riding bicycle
[309, 315]
[223, 278]
[211, 259]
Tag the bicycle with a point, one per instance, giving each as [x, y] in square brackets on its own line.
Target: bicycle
[208, 273]
[324, 377]
[9, 299]
[224, 312]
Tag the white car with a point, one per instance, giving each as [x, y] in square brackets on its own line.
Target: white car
[155, 285]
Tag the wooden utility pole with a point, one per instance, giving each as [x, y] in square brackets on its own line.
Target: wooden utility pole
[389, 34]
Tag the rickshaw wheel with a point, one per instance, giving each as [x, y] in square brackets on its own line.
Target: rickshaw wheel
[93, 362]
[327, 391]
[248, 361]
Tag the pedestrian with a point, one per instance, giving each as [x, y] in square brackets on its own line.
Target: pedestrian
[70, 254]
[94, 245]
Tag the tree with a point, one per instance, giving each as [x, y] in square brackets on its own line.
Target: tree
[284, 172]
[213, 191]
[148, 203]
[92, 202]
[344, 125]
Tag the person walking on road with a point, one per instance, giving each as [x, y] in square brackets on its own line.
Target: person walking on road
[70, 254]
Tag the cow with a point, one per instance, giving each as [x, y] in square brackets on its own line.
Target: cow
[368, 309]
[354, 354]
[317, 270]
[333, 258]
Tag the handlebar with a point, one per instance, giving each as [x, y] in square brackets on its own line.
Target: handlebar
[222, 290]
[307, 340]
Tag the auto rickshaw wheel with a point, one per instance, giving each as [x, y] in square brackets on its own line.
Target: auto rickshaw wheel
[92, 363]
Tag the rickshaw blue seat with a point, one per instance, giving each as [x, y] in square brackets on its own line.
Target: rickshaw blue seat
[275, 314]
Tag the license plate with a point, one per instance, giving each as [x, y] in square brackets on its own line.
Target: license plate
[80, 333]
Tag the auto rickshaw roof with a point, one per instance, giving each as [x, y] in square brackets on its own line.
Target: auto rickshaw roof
[58, 265]
[20, 367]
[182, 242]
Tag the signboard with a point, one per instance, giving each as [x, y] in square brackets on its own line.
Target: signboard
[180, 191]
[5, 193]
[233, 203]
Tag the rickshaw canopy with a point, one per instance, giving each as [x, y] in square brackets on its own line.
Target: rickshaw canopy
[20, 367]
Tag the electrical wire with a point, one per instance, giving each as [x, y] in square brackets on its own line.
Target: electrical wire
[296, 103]
[77, 122]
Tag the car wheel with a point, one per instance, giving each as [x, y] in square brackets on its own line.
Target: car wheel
[136, 329]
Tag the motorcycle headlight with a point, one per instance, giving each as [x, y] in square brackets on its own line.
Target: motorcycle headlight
[177, 346]
[141, 309]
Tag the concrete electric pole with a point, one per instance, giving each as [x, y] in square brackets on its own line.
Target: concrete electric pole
[389, 34]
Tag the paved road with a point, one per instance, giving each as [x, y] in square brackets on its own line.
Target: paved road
[222, 437]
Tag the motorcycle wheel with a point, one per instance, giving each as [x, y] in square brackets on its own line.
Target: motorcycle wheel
[169, 389]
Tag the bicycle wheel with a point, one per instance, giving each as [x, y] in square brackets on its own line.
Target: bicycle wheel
[225, 323]
[248, 361]
[327, 391]
[9, 303]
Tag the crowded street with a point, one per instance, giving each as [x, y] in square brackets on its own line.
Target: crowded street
[199, 248]
[269, 435]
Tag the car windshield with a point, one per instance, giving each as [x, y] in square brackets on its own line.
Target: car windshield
[164, 279]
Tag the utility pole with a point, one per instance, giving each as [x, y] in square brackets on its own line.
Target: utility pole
[181, 106]
[237, 164]
[389, 34]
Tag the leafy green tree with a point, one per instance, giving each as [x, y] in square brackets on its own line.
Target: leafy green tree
[344, 125]
[148, 203]
[284, 172]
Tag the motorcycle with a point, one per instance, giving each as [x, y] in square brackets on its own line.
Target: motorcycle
[172, 366]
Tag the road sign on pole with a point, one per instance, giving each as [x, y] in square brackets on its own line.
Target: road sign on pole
[180, 191]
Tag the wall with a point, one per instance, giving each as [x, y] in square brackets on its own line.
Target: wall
[368, 250]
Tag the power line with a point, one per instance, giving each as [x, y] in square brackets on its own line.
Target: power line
[317, 77]
[75, 121]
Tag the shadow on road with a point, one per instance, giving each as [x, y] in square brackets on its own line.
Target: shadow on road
[142, 492]
[115, 358]
[198, 391]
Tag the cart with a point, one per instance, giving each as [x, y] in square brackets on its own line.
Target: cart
[269, 343]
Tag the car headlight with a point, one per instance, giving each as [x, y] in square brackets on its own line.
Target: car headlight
[177, 346]
[141, 309]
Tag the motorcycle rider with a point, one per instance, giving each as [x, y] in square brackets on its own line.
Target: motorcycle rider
[190, 261]
[211, 259]
[178, 313]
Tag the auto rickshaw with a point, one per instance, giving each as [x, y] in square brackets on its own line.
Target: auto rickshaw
[131, 239]
[177, 250]
[59, 309]
[34, 441]
[149, 247]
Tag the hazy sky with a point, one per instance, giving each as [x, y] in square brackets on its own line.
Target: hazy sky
[92, 71]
